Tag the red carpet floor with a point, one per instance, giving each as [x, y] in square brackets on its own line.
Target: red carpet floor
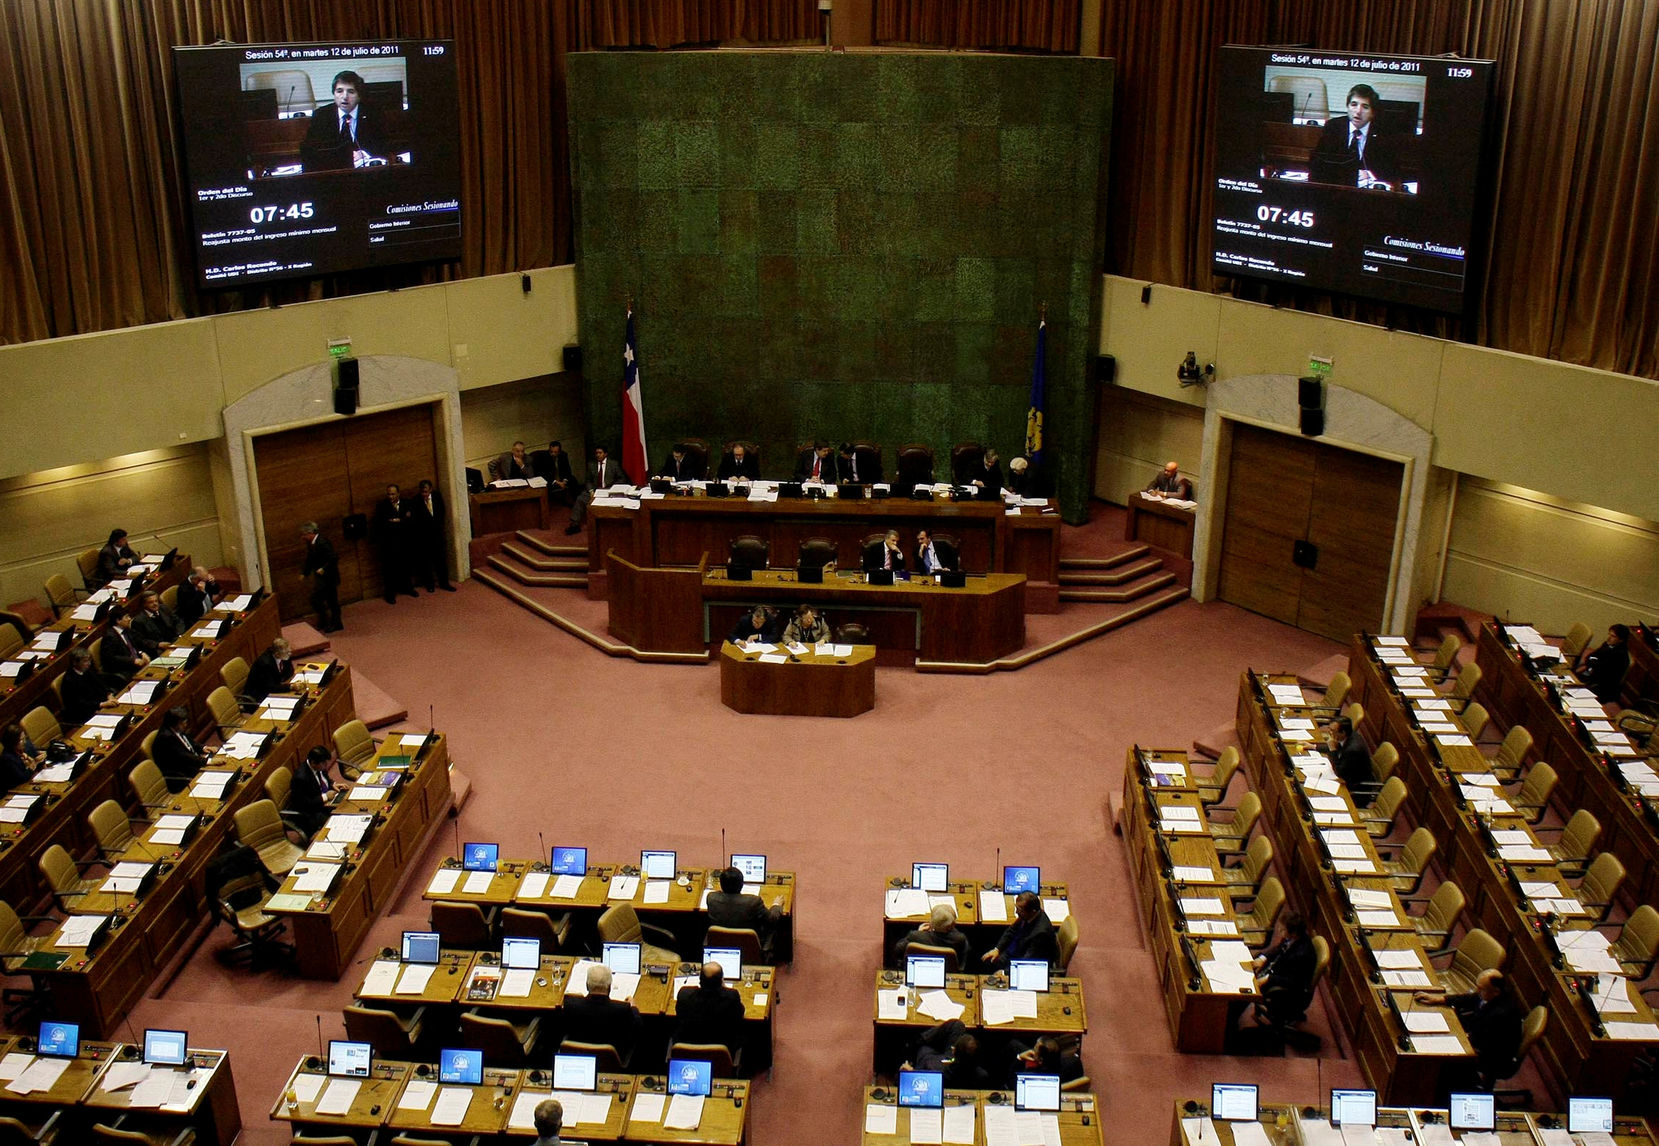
[561, 740]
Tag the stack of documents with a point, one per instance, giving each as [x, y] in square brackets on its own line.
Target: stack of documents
[1290, 694]
[278, 708]
[1001, 1007]
[16, 809]
[243, 745]
[126, 878]
[211, 785]
[80, 930]
[906, 903]
[141, 692]
[1531, 642]
[1180, 820]
[347, 829]
[1589, 951]
[237, 604]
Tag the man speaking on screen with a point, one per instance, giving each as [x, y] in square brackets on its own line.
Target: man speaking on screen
[343, 133]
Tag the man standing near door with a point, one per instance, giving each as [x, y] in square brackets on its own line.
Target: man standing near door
[431, 554]
[322, 569]
[394, 528]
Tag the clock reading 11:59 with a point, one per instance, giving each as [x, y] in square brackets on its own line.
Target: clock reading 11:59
[1267, 213]
[272, 214]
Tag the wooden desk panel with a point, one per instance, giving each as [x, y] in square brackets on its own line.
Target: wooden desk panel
[534, 1086]
[213, 1111]
[886, 1096]
[725, 1120]
[507, 510]
[1156, 522]
[369, 1110]
[812, 685]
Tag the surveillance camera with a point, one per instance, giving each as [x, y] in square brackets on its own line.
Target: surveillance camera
[1190, 373]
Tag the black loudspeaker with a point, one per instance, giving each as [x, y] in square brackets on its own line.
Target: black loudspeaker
[1105, 368]
[345, 400]
[1310, 393]
[573, 358]
[347, 375]
[1313, 422]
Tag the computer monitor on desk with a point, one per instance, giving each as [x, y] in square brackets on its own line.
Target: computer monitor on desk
[480, 857]
[730, 960]
[1028, 975]
[570, 861]
[1586, 1115]
[421, 946]
[921, 1088]
[621, 958]
[59, 1040]
[752, 867]
[520, 953]
[1233, 1101]
[1353, 1107]
[1471, 1111]
[657, 865]
[1037, 1092]
[690, 1076]
[460, 1067]
[924, 971]
[1018, 879]
[575, 1072]
[930, 876]
[165, 1048]
[348, 1059]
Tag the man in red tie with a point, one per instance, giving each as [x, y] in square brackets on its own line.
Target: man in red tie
[606, 473]
[816, 463]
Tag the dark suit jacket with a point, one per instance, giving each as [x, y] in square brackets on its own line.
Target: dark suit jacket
[1332, 163]
[990, 475]
[178, 758]
[1288, 971]
[429, 526]
[321, 149]
[866, 462]
[956, 941]
[595, 1019]
[1028, 484]
[109, 562]
[1035, 940]
[877, 559]
[1352, 761]
[1604, 671]
[321, 562]
[267, 675]
[829, 472]
[744, 910]
[194, 602]
[614, 474]
[504, 467]
[83, 692]
[558, 467]
[119, 659]
[730, 467]
[308, 798]
[14, 770]
[394, 525]
[933, 564]
[686, 469]
[709, 1016]
[154, 632]
[1494, 1030]
[745, 630]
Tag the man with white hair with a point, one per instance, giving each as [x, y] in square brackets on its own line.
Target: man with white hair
[598, 1018]
[939, 931]
[199, 593]
[273, 670]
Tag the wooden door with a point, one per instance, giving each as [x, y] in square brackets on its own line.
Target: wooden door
[395, 447]
[1282, 490]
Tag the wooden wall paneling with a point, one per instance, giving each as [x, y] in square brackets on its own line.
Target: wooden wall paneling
[390, 447]
[1355, 507]
[302, 477]
[1269, 497]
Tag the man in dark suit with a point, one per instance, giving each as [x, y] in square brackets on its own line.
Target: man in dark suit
[598, 1018]
[710, 1011]
[176, 752]
[1029, 936]
[605, 473]
[1351, 759]
[987, 476]
[939, 931]
[1284, 974]
[120, 652]
[679, 467]
[513, 465]
[342, 134]
[739, 464]
[15, 766]
[1024, 478]
[859, 465]
[816, 463]
[889, 556]
[311, 796]
[114, 558]
[156, 626]
[951, 1050]
[562, 485]
[394, 531]
[1605, 667]
[758, 624]
[432, 553]
[1044, 1057]
[731, 906]
[322, 567]
[929, 559]
[82, 688]
[1351, 151]
[199, 593]
[1492, 1019]
[273, 669]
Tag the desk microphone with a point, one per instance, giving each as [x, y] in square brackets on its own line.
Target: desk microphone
[543, 845]
[996, 871]
[319, 1034]
[722, 842]
[458, 853]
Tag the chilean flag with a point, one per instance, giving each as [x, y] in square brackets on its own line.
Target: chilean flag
[633, 412]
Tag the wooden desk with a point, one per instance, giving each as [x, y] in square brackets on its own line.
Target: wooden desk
[1156, 522]
[1281, 1122]
[1060, 1011]
[489, 1105]
[811, 684]
[508, 510]
[725, 1120]
[212, 1110]
[534, 1088]
[886, 1096]
[982, 914]
[70, 1088]
[370, 1107]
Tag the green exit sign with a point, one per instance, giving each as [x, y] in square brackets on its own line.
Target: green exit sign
[339, 348]
[1319, 367]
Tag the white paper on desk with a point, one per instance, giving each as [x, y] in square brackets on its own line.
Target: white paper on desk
[959, 1124]
[1439, 728]
[1286, 693]
[1333, 819]
[1537, 889]
[323, 850]
[623, 986]
[1346, 851]
[1315, 1132]
[523, 1116]
[381, 978]
[156, 1088]
[78, 930]
[576, 983]
[1296, 735]
[42, 1074]
[1410, 693]
[647, 1108]
[1436, 1044]
[926, 1124]
[417, 1095]
[880, 1118]
[1364, 897]
[1201, 905]
[1592, 961]
[893, 1005]
[623, 887]
[317, 877]
[367, 793]
[685, 1111]
[1028, 1127]
[1056, 909]
[906, 902]
[306, 1087]
[451, 1107]
[1231, 951]
[141, 692]
[1562, 1138]
[996, 1007]
[1407, 979]
[1640, 1032]
[16, 809]
[566, 887]
[1249, 1134]
[1000, 1129]
[516, 983]
[993, 908]
[939, 1005]
[1426, 1022]
[1324, 782]
[56, 774]
[124, 1074]
[534, 885]
[1398, 960]
[1355, 867]
[348, 829]
[1228, 978]
[582, 1107]
[773, 659]
[414, 978]
[1212, 927]
[211, 785]
[1382, 919]
[1519, 853]
[338, 1096]
[1328, 803]
[1185, 874]
[656, 890]
[1458, 741]
[478, 882]
[1613, 997]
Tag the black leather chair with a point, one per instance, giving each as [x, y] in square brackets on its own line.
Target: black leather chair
[751, 551]
[915, 465]
[852, 633]
[817, 552]
[965, 458]
[697, 453]
[949, 548]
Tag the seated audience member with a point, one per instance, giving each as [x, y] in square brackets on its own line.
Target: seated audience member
[679, 467]
[890, 556]
[731, 906]
[709, 1011]
[1284, 974]
[549, 1119]
[562, 485]
[939, 931]
[806, 627]
[929, 559]
[120, 651]
[1350, 758]
[598, 1018]
[1491, 1017]
[83, 688]
[512, 465]
[1029, 936]
[199, 593]
[114, 557]
[1045, 1057]
[988, 474]
[1170, 483]
[176, 752]
[15, 766]
[1026, 479]
[1605, 666]
[860, 466]
[273, 669]
[312, 795]
[606, 473]
[758, 624]
[951, 1050]
[739, 465]
[816, 463]
[156, 626]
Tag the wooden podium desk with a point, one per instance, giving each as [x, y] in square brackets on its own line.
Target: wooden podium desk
[508, 510]
[371, 1106]
[879, 1096]
[1156, 522]
[1282, 1123]
[725, 1120]
[811, 684]
[489, 1105]
[212, 1110]
[1060, 1011]
[535, 1087]
[983, 911]
[1078, 1117]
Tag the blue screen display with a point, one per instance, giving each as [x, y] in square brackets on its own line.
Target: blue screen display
[461, 1067]
[688, 1076]
[61, 1040]
[480, 857]
[921, 1088]
[570, 861]
[1018, 879]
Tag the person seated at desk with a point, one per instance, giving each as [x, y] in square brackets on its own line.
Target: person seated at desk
[1025, 479]
[949, 1049]
[1491, 1017]
[272, 670]
[598, 1018]
[806, 627]
[83, 688]
[562, 485]
[816, 463]
[199, 593]
[606, 473]
[739, 464]
[120, 652]
[928, 558]
[549, 1119]
[1169, 484]
[889, 556]
[758, 624]
[709, 1011]
[1046, 1057]
[731, 906]
[1284, 974]
[1351, 151]
[1351, 759]
[114, 558]
[343, 134]
[860, 466]
[16, 768]
[1029, 936]
[678, 467]
[312, 796]
[988, 474]
[176, 752]
[512, 465]
[156, 626]
[939, 931]
[1605, 666]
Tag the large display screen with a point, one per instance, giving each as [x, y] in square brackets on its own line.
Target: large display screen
[1357, 174]
[314, 159]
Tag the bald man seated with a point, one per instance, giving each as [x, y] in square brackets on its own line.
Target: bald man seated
[1169, 484]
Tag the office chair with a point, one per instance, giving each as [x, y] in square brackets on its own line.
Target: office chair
[852, 633]
[465, 926]
[609, 1061]
[1229, 837]
[1065, 939]
[1532, 1029]
[1517, 742]
[1533, 800]
[750, 551]
[869, 550]
[260, 827]
[501, 1040]
[1462, 691]
[390, 1034]
[239, 889]
[1380, 817]
[1247, 877]
[41, 726]
[111, 829]
[697, 453]
[16, 945]
[1212, 789]
[915, 466]
[170, 597]
[233, 674]
[226, 712]
[1336, 694]
[1474, 719]
[10, 639]
[117, 1135]
[1575, 642]
[61, 595]
[948, 954]
[745, 939]
[63, 876]
[1636, 948]
[1576, 843]
[1445, 656]
[1263, 913]
[1439, 916]
[328, 1140]
[16, 1132]
[412, 1140]
[1405, 873]
[1476, 953]
[817, 552]
[965, 457]
[355, 747]
[87, 562]
[620, 924]
[1383, 762]
[147, 782]
[523, 923]
[1599, 888]
[725, 1064]
[949, 548]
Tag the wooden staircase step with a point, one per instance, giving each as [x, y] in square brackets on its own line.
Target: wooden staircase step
[1129, 554]
[1128, 593]
[538, 560]
[1118, 575]
[552, 548]
[541, 580]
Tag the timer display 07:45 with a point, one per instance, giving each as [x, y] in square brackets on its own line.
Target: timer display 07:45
[276, 213]
[1267, 213]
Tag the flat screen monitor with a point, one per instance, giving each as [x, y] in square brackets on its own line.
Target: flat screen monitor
[752, 867]
[461, 1067]
[656, 865]
[730, 960]
[520, 953]
[420, 946]
[575, 1072]
[930, 876]
[480, 857]
[59, 1040]
[273, 191]
[1353, 1107]
[165, 1048]
[1018, 879]
[921, 1088]
[1391, 215]
[926, 971]
[1233, 1101]
[1471, 1111]
[1028, 975]
[349, 1060]
[690, 1076]
[1036, 1092]
[570, 861]
[621, 958]
[1587, 1115]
